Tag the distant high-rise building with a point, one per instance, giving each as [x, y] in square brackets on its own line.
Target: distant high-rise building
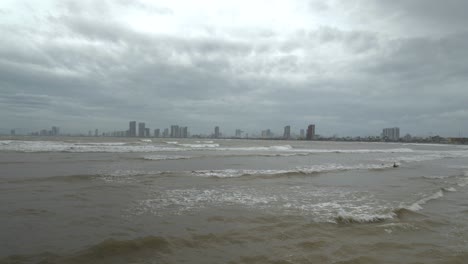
[179, 133]
[147, 132]
[96, 132]
[156, 133]
[141, 129]
[175, 131]
[132, 129]
[310, 132]
[287, 132]
[55, 131]
[184, 132]
[166, 132]
[90, 133]
[12, 132]
[238, 133]
[302, 133]
[267, 133]
[216, 132]
[392, 133]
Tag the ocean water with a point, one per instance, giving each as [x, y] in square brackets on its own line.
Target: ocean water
[124, 200]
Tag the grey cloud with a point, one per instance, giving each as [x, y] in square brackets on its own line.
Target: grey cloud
[90, 68]
[417, 16]
[356, 41]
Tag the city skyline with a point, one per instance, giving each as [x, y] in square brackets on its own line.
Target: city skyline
[354, 67]
[387, 135]
[176, 131]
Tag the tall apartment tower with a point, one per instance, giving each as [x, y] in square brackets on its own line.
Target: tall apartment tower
[55, 131]
[216, 132]
[132, 129]
[287, 132]
[166, 133]
[174, 131]
[141, 129]
[310, 132]
[392, 133]
[157, 133]
[184, 132]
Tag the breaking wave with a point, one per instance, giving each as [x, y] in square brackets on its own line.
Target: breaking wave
[232, 173]
[165, 157]
[432, 155]
[350, 218]
[416, 206]
[148, 146]
[58, 146]
[463, 181]
[206, 145]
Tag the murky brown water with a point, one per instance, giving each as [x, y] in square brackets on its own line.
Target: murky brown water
[88, 200]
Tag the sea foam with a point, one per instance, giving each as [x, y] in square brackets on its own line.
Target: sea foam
[230, 173]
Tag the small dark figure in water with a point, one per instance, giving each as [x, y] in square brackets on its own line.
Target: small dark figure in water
[395, 165]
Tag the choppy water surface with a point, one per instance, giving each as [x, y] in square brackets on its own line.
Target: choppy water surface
[88, 200]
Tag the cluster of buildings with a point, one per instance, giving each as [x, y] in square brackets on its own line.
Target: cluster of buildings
[268, 134]
[143, 131]
[54, 131]
[139, 129]
[175, 131]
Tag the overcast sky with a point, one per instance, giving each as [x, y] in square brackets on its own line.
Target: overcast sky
[352, 67]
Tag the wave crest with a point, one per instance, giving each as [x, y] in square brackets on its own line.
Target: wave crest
[230, 173]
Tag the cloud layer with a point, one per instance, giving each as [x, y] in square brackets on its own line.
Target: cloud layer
[350, 67]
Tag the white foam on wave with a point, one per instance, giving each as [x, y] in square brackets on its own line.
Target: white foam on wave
[429, 155]
[280, 148]
[179, 201]
[416, 158]
[463, 181]
[101, 144]
[321, 204]
[146, 140]
[230, 173]
[213, 145]
[123, 175]
[60, 146]
[165, 157]
[426, 144]
[358, 216]
[436, 177]
[289, 148]
[198, 145]
[449, 189]
[396, 150]
[418, 205]
[36, 146]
